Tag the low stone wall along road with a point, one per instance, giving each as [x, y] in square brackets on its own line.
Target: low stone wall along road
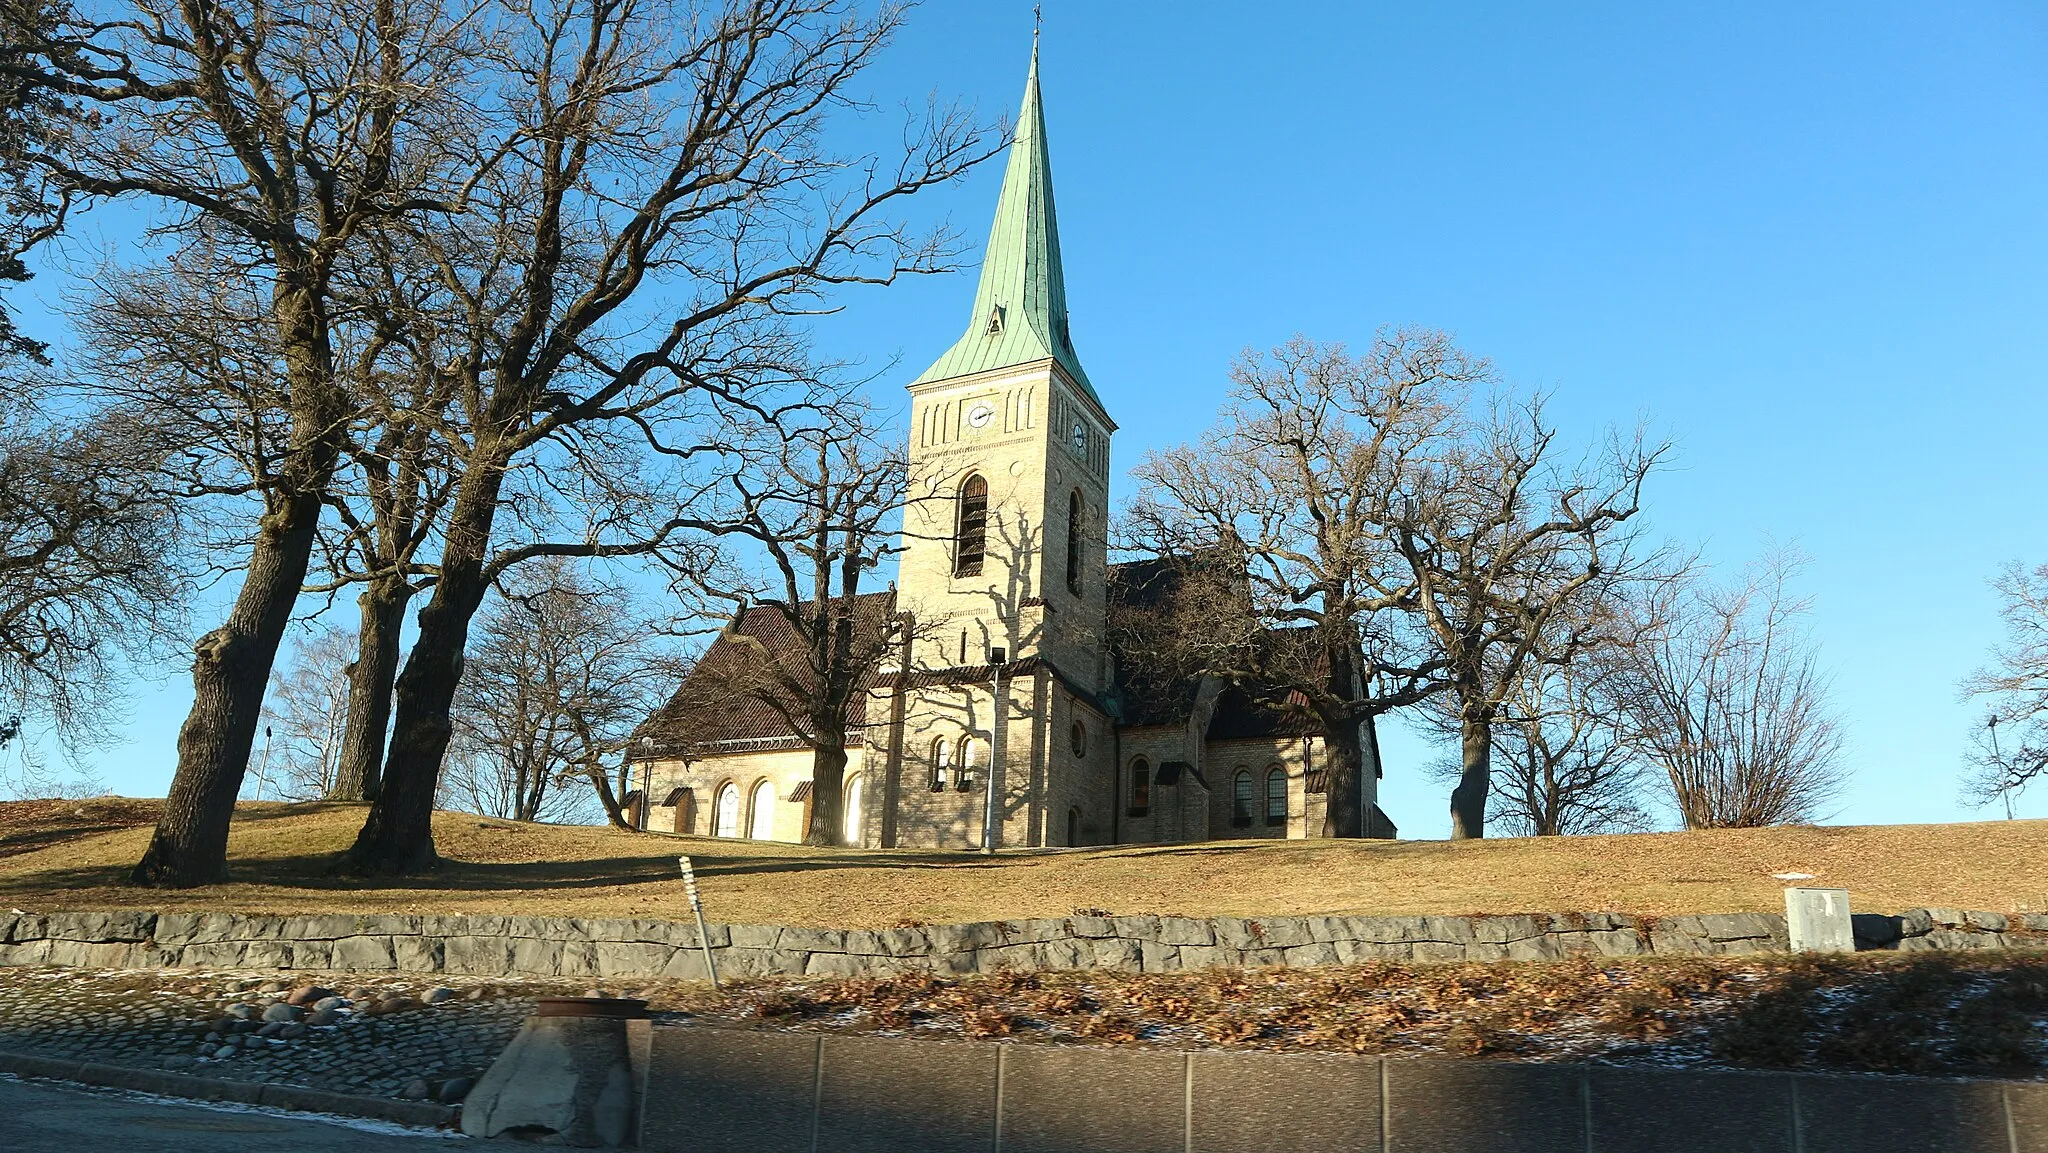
[604, 949]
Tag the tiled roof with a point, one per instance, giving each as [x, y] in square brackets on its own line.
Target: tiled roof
[725, 701]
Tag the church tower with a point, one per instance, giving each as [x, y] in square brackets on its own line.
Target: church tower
[1010, 454]
[1003, 565]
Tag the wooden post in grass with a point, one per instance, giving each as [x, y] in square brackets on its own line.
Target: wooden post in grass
[697, 907]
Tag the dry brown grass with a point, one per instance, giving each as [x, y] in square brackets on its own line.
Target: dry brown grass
[73, 856]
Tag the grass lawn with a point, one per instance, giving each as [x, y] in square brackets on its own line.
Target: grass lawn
[72, 855]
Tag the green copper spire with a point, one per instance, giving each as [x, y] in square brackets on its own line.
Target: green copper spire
[1020, 310]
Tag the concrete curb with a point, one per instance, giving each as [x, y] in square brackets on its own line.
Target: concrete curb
[425, 1114]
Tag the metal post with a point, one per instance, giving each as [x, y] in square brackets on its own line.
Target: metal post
[697, 907]
[996, 657]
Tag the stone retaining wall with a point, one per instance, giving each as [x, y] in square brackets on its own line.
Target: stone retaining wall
[597, 948]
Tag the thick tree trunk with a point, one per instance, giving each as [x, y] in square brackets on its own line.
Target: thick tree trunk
[828, 781]
[230, 670]
[231, 665]
[1468, 800]
[398, 836]
[382, 609]
[1343, 808]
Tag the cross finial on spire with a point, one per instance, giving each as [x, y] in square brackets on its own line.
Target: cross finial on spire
[1037, 20]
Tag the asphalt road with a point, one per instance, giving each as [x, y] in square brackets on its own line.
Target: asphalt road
[36, 1117]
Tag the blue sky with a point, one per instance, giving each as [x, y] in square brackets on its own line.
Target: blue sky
[1805, 242]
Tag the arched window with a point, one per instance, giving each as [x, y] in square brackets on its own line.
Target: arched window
[942, 762]
[1074, 825]
[761, 815]
[1276, 796]
[970, 527]
[1241, 799]
[969, 757]
[849, 817]
[1074, 543]
[1141, 787]
[725, 811]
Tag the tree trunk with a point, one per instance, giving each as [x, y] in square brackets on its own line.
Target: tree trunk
[606, 797]
[230, 670]
[1343, 814]
[382, 609]
[1468, 800]
[398, 835]
[828, 781]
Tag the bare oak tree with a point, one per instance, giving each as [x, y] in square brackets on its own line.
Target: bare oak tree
[1508, 558]
[306, 715]
[1729, 701]
[2012, 749]
[818, 499]
[657, 201]
[1564, 757]
[562, 669]
[1294, 489]
[278, 138]
[88, 577]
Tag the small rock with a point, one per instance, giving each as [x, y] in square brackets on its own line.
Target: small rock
[270, 1029]
[415, 1090]
[215, 1036]
[323, 1017]
[361, 994]
[436, 996]
[330, 1002]
[282, 1012]
[293, 1031]
[390, 1005]
[308, 995]
[455, 1089]
[273, 987]
[244, 1012]
[597, 993]
[225, 1052]
[247, 1026]
[477, 994]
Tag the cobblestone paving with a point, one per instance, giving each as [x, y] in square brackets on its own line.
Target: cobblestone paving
[386, 1037]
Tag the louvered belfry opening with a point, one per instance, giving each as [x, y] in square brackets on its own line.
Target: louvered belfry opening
[970, 536]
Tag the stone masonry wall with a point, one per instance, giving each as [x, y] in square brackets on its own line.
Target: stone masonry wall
[602, 949]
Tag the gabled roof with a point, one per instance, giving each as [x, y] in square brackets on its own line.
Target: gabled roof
[1020, 308]
[722, 701]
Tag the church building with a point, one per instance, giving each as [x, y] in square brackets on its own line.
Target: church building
[1003, 673]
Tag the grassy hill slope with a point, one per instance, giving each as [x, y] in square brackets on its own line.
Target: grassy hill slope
[72, 855]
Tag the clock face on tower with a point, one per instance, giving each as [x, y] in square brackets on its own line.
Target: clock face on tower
[1080, 437]
[979, 416]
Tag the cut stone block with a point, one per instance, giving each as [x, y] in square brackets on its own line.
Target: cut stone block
[1649, 1110]
[1434, 1106]
[1076, 1100]
[729, 1091]
[883, 1095]
[1818, 921]
[1855, 1114]
[1255, 1102]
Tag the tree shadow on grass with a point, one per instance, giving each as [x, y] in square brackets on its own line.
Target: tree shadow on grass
[313, 873]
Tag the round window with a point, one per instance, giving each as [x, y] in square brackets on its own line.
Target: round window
[1080, 739]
